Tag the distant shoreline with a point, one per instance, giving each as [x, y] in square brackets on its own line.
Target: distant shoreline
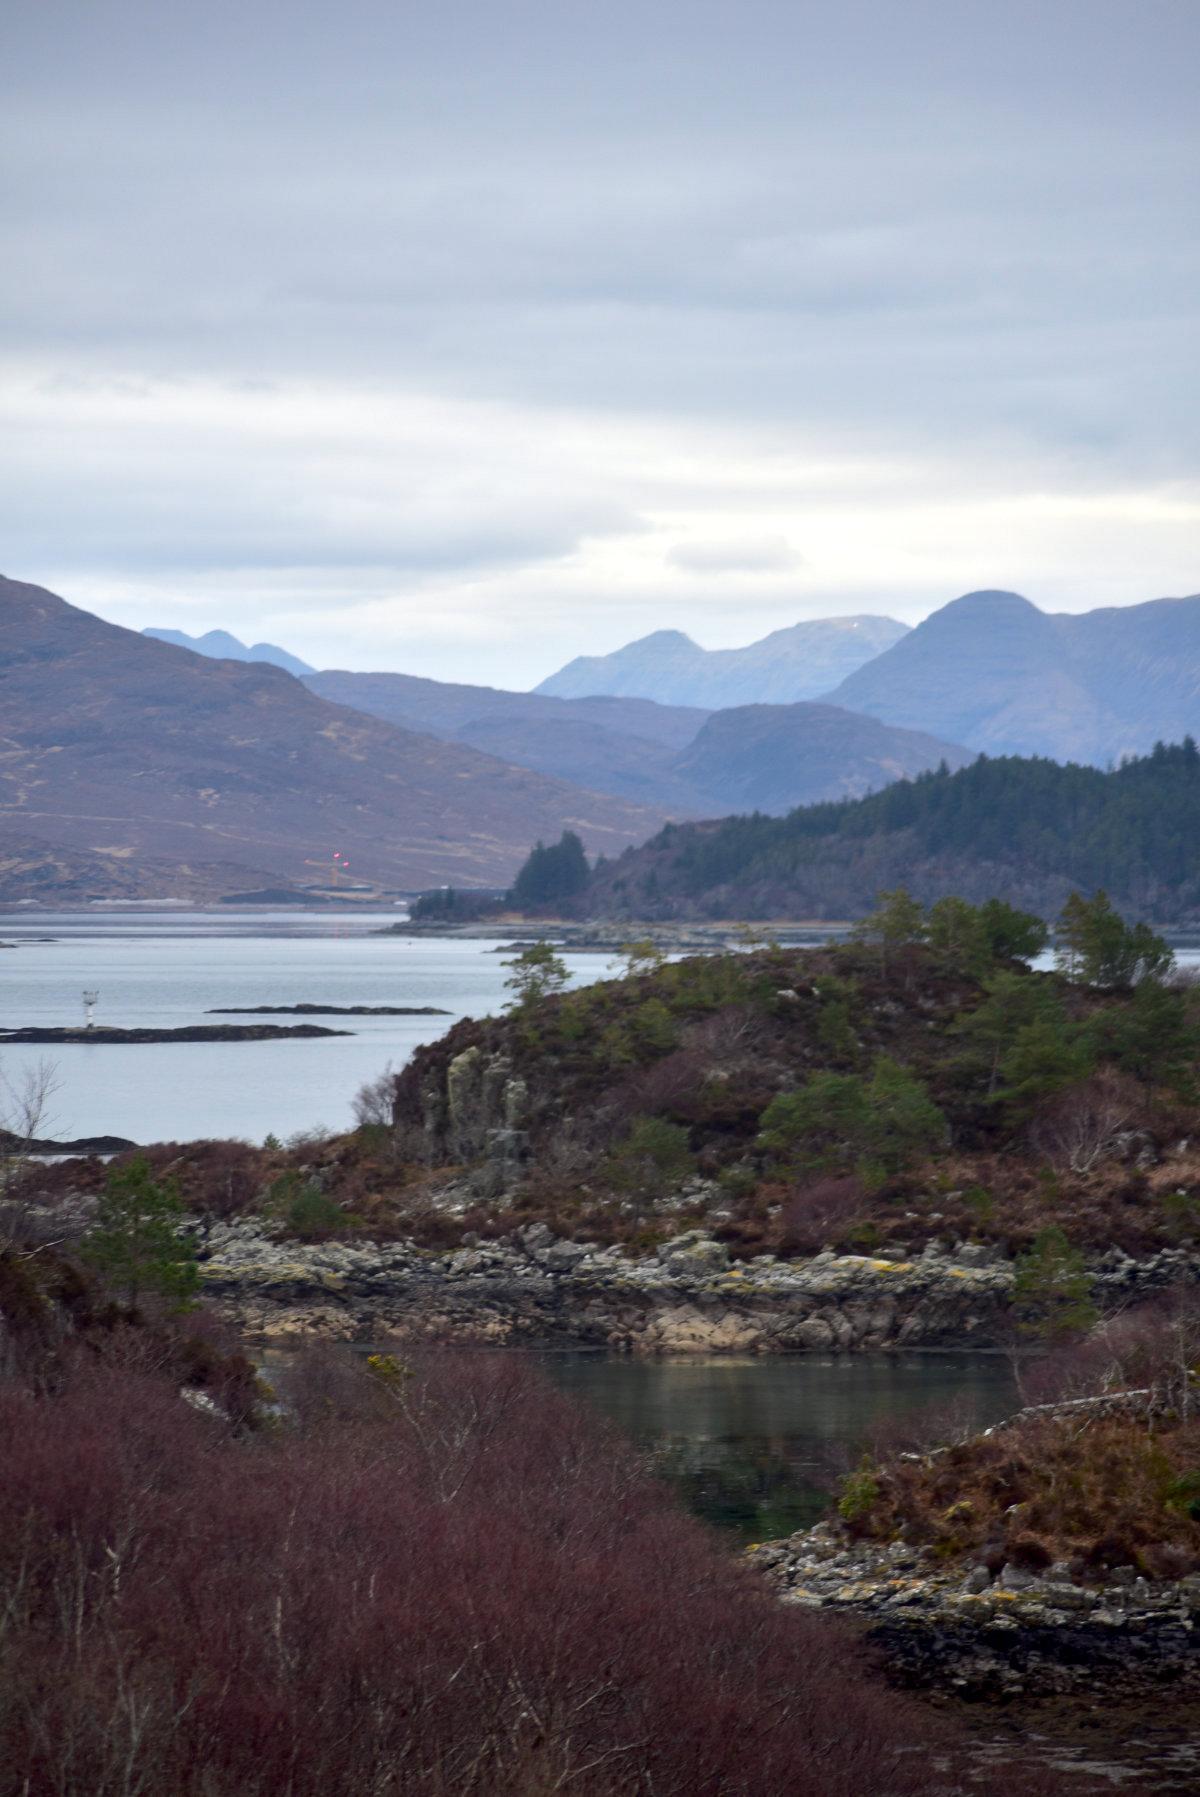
[200, 1032]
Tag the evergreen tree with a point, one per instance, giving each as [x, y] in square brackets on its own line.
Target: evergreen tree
[881, 1122]
[536, 973]
[552, 874]
[897, 921]
[653, 1159]
[137, 1244]
[1096, 947]
[1151, 1036]
[1012, 935]
[643, 956]
[1013, 1002]
[955, 932]
[1051, 1290]
[1045, 1056]
[904, 1119]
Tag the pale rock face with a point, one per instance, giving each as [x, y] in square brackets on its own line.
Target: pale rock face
[686, 1298]
[479, 1118]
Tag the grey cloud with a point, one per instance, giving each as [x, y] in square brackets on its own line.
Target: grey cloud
[949, 230]
[772, 555]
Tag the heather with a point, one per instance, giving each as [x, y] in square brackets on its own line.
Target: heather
[434, 1576]
[1099, 1472]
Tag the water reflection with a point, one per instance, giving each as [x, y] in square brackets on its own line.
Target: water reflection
[753, 1445]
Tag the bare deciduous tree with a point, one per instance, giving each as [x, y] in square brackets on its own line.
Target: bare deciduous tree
[1084, 1125]
[375, 1102]
[25, 1117]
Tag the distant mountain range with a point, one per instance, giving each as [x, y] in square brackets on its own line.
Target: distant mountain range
[210, 765]
[223, 647]
[804, 661]
[993, 671]
[687, 761]
[988, 672]
[133, 767]
[1025, 830]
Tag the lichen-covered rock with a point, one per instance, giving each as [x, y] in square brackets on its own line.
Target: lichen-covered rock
[1019, 1634]
[687, 1298]
[477, 1115]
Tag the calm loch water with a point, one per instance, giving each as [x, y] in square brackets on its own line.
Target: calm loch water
[169, 969]
[755, 1444]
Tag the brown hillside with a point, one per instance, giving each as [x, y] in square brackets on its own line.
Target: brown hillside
[121, 753]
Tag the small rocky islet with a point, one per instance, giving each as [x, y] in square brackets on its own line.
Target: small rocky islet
[315, 1010]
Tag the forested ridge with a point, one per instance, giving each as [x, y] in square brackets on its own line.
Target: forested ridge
[1029, 828]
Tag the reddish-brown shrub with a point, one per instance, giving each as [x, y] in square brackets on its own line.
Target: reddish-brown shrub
[436, 1579]
[821, 1212]
[1152, 1347]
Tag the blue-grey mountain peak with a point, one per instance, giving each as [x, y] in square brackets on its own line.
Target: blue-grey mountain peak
[221, 646]
[799, 662]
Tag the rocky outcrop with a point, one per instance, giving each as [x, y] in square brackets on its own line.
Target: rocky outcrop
[1118, 1277]
[477, 1114]
[1019, 1634]
[685, 1298]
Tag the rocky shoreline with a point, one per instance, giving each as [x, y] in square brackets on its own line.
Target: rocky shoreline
[612, 938]
[687, 1297]
[1021, 1634]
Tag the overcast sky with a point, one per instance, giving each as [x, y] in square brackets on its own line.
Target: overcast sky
[462, 338]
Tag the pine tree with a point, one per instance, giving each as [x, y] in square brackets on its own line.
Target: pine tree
[536, 973]
[137, 1244]
[552, 874]
[897, 921]
[1096, 947]
[1051, 1290]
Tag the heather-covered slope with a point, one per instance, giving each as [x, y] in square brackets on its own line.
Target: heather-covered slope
[167, 765]
[993, 671]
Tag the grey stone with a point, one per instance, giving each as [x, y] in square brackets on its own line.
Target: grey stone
[1016, 1578]
[562, 1256]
